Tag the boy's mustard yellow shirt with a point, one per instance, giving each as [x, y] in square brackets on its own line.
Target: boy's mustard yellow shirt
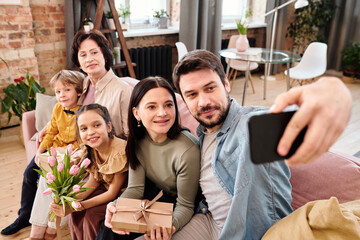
[62, 129]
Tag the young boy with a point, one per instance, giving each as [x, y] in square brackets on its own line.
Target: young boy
[60, 132]
[62, 128]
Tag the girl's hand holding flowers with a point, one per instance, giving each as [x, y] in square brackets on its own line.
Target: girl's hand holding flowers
[64, 181]
[58, 210]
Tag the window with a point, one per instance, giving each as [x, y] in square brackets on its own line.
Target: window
[142, 10]
[232, 10]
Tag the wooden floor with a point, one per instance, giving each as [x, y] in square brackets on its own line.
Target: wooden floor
[13, 162]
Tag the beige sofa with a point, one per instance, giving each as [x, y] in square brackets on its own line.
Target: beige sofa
[333, 174]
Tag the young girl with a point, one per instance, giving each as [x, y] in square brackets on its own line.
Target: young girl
[108, 171]
[161, 155]
[60, 132]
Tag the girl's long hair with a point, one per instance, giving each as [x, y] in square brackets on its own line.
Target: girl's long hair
[137, 133]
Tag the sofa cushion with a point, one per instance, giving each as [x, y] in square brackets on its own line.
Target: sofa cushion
[43, 111]
[333, 174]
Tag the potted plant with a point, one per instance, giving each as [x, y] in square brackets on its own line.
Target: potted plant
[20, 96]
[242, 43]
[110, 17]
[351, 62]
[116, 54]
[311, 24]
[162, 16]
[124, 13]
[88, 24]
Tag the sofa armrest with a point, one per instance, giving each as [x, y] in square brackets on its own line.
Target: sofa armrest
[28, 128]
[28, 125]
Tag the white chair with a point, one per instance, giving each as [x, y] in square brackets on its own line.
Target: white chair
[237, 65]
[312, 64]
[182, 50]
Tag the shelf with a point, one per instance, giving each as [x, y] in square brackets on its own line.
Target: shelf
[100, 19]
[122, 64]
[107, 30]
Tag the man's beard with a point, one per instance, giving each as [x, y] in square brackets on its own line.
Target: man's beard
[219, 120]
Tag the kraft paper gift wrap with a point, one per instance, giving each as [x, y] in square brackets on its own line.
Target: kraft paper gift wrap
[141, 216]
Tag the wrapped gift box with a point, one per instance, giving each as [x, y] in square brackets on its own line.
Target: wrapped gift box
[125, 220]
[43, 158]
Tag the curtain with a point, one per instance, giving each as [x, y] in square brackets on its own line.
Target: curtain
[200, 24]
[345, 29]
[72, 24]
[281, 28]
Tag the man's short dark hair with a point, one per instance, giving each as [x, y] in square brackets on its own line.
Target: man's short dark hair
[197, 60]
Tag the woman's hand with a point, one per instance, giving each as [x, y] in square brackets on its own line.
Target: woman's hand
[160, 234]
[110, 210]
[58, 209]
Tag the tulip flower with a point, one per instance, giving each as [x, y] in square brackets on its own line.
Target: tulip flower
[60, 167]
[74, 170]
[53, 151]
[51, 160]
[76, 188]
[70, 149]
[76, 205]
[47, 191]
[85, 163]
[50, 177]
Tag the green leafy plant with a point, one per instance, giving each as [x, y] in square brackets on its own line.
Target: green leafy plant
[20, 96]
[109, 14]
[311, 24]
[124, 12]
[1, 59]
[114, 52]
[161, 13]
[351, 59]
[242, 24]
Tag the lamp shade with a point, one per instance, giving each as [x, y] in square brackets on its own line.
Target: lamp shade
[301, 3]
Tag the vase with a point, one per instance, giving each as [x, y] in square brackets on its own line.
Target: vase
[118, 56]
[86, 28]
[111, 23]
[242, 43]
[163, 23]
[124, 26]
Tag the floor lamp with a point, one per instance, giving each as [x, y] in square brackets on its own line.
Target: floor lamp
[298, 4]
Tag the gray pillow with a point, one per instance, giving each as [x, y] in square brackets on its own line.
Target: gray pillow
[43, 111]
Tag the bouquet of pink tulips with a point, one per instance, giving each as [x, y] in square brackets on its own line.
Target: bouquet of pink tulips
[64, 181]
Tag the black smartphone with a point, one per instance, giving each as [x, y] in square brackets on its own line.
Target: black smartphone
[265, 132]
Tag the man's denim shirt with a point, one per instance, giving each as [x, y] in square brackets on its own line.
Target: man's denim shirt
[261, 194]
